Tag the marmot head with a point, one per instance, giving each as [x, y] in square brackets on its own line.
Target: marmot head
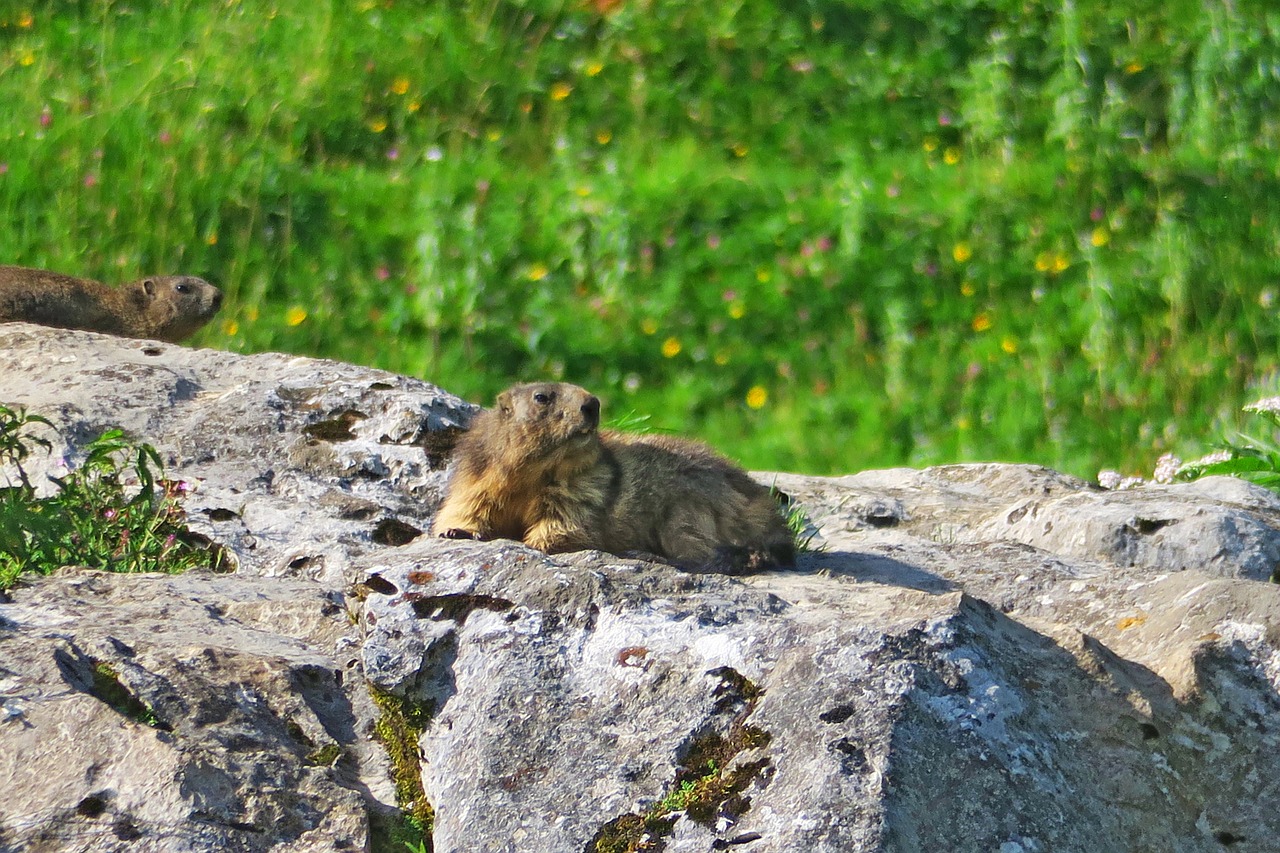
[177, 306]
[550, 419]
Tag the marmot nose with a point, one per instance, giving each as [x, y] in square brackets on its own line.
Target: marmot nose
[591, 410]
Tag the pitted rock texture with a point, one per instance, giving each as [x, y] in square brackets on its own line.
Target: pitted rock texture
[239, 707]
[980, 657]
[273, 443]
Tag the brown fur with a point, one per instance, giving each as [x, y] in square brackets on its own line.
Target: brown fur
[536, 468]
[165, 308]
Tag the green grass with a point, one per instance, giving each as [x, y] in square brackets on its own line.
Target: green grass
[823, 236]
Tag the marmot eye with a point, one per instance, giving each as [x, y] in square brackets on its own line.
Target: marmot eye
[542, 398]
[183, 288]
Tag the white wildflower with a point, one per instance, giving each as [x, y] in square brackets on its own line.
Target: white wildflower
[1267, 404]
[1131, 483]
[1166, 468]
[1211, 459]
[1109, 479]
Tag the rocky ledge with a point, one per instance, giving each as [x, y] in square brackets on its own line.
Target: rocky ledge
[971, 657]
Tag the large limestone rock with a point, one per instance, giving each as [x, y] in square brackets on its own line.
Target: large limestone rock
[979, 657]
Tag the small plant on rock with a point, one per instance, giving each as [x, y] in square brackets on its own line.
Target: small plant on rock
[116, 512]
[399, 727]
[1252, 458]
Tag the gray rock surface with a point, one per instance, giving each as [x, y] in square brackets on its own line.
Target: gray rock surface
[980, 657]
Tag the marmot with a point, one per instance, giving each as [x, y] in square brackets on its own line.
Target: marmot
[165, 308]
[537, 468]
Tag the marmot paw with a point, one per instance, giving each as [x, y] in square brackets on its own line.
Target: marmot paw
[459, 533]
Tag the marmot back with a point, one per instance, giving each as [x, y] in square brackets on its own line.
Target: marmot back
[536, 468]
[166, 308]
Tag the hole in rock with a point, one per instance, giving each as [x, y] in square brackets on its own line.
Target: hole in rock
[838, 714]
[438, 444]
[392, 531]
[379, 584]
[337, 428]
[91, 806]
[1147, 526]
[301, 562]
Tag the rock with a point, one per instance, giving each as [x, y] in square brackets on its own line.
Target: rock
[980, 657]
[1219, 525]
[274, 443]
[180, 713]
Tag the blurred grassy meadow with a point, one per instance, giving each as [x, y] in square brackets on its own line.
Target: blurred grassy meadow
[822, 235]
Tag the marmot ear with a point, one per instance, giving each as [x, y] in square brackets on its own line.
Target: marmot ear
[149, 287]
[503, 403]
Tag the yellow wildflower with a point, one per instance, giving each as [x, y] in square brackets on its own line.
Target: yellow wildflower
[377, 125]
[493, 135]
[400, 85]
[230, 328]
[25, 20]
[251, 313]
[594, 67]
[757, 397]
[962, 252]
[982, 322]
[737, 310]
[414, 106]
[931, 143]
[721, 358]
[951, 156]
[294, 316]
[26, 58]
[1009, 345]
[1100, 237]
[740, 150]
[649, 326]
[603, 137]
[762, 275]
[1060, 263]
[560, 91]
[212, 239]
[1044, 261]
[1133, 67]
[967, 288]
[671, 347]
[538, 272]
